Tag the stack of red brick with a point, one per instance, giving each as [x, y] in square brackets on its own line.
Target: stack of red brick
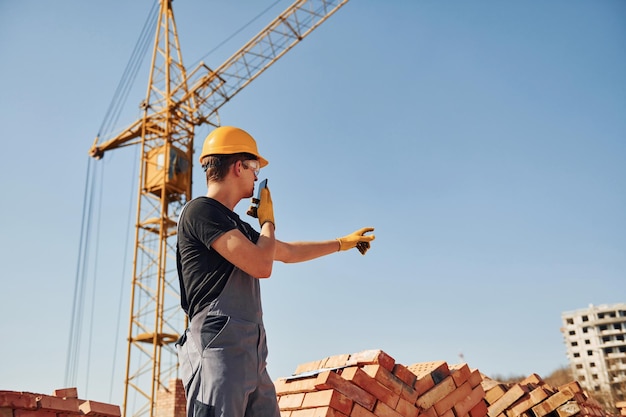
[532, 397]
[64, 403]
[372, 384]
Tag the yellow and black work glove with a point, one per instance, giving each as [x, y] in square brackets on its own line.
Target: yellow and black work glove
[265, 211]
[357, 239]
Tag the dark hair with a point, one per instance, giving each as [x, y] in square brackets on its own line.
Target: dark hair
[217, 166]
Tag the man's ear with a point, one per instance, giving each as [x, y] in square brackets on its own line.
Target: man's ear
[237, 168]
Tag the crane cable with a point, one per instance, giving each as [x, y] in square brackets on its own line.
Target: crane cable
[71, 364]
[120, 97]
[122, 280]
[82, 267]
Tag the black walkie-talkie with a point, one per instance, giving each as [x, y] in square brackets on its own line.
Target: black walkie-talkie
[252, 211]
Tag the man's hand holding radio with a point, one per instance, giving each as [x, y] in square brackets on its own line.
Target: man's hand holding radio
[266, 208]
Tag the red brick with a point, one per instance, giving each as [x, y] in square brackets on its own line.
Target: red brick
[15, 400]
[328, 398]
[331, 380]
[447, 402]
[406, 408]
[294, 386]
[101, 409]
[336, 361]
[580, 397]
[403, 373]
[475, 378]
[437, 370]
[528, 401]
[460, 373]
[436, 393]
[479, 410]
[360, 411]
[360, 378]
[309, 366]
[513, 394]
[552, 402]
[493, 392]
[317, 412]
[171, 402]
[464, 406]
[66, 393]
[290, 401]
[568, 409]
[448, 413]
[6, 412]
[423, 384]
[383, 410]
[63, 405]
[33, 413]
[573, 386]
[532, 379]
[370, 357]
[391, 381]
[428, 374]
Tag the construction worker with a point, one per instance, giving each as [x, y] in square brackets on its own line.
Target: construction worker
[220, 259]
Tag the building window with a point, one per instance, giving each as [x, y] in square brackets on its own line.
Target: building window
[585, 318]
[570, 321]
[594, 376]
[574, 343]
[577, 355]
[589, 352]
[579, 366]
[592, 364]
[587, 341]
[572, 332]
[617, 326]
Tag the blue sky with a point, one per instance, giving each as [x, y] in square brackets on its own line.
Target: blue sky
[485, 141]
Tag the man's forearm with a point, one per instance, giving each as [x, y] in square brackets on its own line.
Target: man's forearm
[292, 252]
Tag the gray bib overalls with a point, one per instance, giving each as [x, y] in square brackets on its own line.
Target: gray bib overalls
[228, 377]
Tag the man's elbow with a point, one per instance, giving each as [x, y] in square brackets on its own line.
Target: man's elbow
[264, 271]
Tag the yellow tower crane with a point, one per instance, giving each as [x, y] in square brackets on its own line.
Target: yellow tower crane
[177, 102]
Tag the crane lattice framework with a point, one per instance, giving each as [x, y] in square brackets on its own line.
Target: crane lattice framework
[176, 102]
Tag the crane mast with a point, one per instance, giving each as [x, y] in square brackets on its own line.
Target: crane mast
[176, 102]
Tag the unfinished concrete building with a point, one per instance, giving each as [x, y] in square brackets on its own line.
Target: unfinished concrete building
[596, 348]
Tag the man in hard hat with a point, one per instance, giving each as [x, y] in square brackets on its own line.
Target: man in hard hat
[220, 258]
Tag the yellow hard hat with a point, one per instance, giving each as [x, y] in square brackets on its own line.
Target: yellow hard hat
[226, 140]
